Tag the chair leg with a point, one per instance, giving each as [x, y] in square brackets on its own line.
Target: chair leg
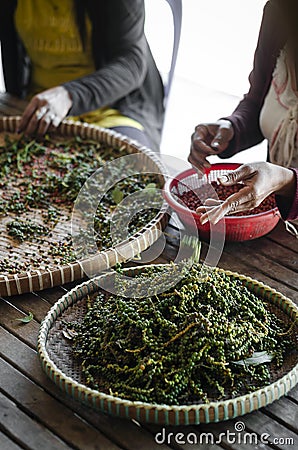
[176, 7]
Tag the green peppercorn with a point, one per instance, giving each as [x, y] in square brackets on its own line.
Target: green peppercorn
[175, 349]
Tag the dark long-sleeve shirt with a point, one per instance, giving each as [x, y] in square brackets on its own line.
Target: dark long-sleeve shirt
[288, 208]
[245, 118]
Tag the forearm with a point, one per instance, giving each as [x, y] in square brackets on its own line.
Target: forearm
[110, 83]
[287, 196]
[247, 133]
[245, 118]
[120, 55]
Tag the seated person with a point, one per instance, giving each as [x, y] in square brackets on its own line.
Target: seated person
[270, 108]
[88, 59]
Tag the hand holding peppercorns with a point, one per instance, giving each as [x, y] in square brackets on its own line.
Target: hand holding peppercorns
[209, 139]
[259, 180]
[45, 110]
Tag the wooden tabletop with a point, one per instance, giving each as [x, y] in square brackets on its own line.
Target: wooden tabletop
[35, 414]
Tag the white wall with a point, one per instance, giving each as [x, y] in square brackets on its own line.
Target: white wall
[217, 43]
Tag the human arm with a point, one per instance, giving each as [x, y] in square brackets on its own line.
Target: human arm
[288, 206]
[245, 118]
[259, 180]
[241, 129]
[119, 51]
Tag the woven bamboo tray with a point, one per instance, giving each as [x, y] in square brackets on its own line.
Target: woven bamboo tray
[57, 361]
[24, 280]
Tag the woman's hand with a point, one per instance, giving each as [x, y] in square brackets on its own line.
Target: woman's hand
[259, 179]
[46, 109]
[209, 139]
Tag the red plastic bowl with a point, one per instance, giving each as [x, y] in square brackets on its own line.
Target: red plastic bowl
[237, 228]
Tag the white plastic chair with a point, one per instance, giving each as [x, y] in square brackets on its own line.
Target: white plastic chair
[176, 9]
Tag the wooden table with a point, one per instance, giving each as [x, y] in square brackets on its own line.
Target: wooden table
[35, 414]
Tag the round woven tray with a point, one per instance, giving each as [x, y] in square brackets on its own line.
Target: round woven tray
[55, 352]
[42, 277]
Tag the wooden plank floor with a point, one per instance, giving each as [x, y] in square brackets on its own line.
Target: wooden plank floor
[30, 401]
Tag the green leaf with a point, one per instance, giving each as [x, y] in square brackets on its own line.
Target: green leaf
[150, 190]
[150, 186]
[69, 334]
[117, 195]
[256, 359]
[26, 319]
[194, 243]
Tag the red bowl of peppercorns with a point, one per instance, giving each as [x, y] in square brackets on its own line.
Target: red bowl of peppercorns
[187, 191]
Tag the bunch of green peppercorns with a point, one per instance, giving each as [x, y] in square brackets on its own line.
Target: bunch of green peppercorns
[190, 344]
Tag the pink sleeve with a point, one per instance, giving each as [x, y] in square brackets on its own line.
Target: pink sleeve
[289, 209]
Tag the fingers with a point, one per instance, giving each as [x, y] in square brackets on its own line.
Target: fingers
[49, 119]
[39, 121]
[223, 136]
[205, 209]
[36, 117]
[202, 138]
[199, 148]
[199, 162]
[31, 116]
[257, 180]
[46, 110]
[209, 139]
[208, 205]
[242, 173]
[241, 201]
[212, 202]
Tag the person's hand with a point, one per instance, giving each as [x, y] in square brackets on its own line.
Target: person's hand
[209, 139]
[259, 180]
[46, 109]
